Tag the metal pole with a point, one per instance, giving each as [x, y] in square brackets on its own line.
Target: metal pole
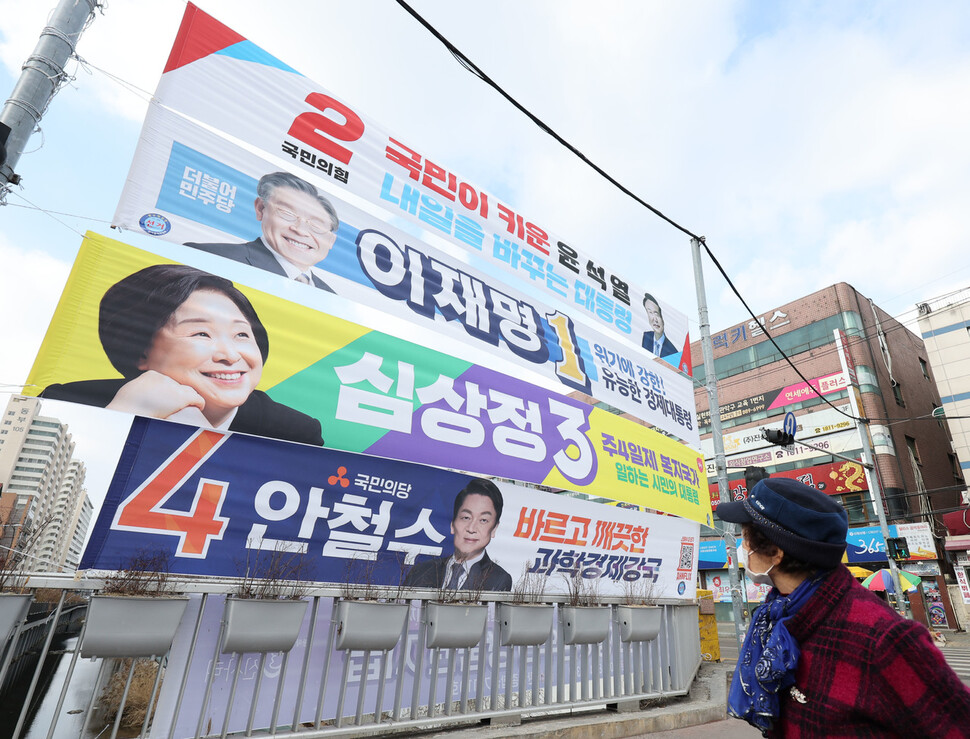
[720, 466]
[41, 75]
[868, 458]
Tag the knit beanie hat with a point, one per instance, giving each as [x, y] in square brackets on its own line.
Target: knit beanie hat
[805, 523]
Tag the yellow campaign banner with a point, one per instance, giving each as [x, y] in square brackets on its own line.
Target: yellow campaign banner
[142, 334]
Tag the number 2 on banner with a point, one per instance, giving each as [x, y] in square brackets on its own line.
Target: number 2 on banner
[307, 127]
[143, 510]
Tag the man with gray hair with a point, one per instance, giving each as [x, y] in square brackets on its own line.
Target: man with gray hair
[299, 227]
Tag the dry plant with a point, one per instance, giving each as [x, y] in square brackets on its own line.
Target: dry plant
[529, 588]
[464, 595]
[359, 579]
[139, 694]
[641, 592]
[581, 591]
[16, 553]
[273, 574]
[144, 574]
[50, 596]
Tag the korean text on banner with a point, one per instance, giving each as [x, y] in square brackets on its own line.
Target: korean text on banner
[219, 78]
[138, 333]
[207, 497]
[348, 251]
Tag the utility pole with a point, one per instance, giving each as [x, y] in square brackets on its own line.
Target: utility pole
[41, 76]
[868, 458]
[720, 465]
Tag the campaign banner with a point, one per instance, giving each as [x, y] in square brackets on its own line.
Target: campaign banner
[369, 262]
[137, 333]
[212, 501]
[217, 77]
[779, 398]
[720, 583]
[841, 442]
[832, 478]
[819, 423]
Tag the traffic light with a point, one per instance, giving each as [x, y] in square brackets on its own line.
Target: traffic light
[753, 475]
[897, 547]
[778, 437]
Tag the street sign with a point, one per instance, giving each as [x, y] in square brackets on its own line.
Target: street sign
[939, 412]
[790, 425]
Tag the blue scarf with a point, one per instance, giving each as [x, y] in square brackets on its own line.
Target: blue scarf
[768, 658]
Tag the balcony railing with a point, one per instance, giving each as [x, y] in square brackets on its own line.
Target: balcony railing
[426, 675]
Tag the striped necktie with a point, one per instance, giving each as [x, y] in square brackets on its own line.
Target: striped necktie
[302, 278]
[456, 573]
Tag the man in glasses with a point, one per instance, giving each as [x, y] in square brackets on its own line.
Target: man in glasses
[299, 226]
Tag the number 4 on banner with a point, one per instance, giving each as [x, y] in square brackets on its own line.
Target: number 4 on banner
[143, 510]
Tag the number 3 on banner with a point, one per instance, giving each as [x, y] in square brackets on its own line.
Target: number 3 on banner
[143, 510]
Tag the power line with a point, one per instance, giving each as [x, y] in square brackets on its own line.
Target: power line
[55, 212]
[42, 210]
[475, 70]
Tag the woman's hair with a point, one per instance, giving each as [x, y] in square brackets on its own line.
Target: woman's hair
[758, 542]
[135, 308]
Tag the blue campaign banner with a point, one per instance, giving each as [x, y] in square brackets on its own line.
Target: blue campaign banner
[207, 498]
[230, 505]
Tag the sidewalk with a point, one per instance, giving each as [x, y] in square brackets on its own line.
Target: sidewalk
[705, 703]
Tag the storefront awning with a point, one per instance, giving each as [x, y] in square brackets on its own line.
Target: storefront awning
[957, 543]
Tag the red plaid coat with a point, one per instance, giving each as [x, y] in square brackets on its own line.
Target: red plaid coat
[865, 671]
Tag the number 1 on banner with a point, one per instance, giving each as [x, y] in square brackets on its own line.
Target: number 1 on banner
[143, 510]
[570, 368]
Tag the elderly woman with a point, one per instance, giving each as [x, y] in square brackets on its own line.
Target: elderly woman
[823, 656]
[190, 348]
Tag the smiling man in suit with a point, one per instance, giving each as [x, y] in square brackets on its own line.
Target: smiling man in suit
[299, 227]
[476, 514]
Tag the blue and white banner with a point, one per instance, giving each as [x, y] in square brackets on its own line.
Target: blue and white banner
[227, 83]
[212, 501]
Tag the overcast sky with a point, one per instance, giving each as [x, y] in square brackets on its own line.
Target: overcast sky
[810, 142]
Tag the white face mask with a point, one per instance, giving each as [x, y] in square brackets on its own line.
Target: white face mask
[758, 578]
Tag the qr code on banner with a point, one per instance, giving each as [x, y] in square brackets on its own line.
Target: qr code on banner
[686, 556]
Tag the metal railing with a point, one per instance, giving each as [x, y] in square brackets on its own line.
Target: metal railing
[317, 689]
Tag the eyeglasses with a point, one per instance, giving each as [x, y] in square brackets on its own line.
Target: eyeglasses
[316, 226]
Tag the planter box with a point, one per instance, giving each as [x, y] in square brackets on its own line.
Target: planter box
[585, 624]
[13, 608]
[369, 625]
[639, 623]
[131, 626]
[524, 624]
[254, 625]
[453, 625]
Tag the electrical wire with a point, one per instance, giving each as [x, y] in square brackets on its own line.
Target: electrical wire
[56, 212]
[46, 212]
[469, 65]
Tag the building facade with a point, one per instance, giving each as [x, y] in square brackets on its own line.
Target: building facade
[64, 512]
[944, 325]
[916, 467]
[41, 484]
